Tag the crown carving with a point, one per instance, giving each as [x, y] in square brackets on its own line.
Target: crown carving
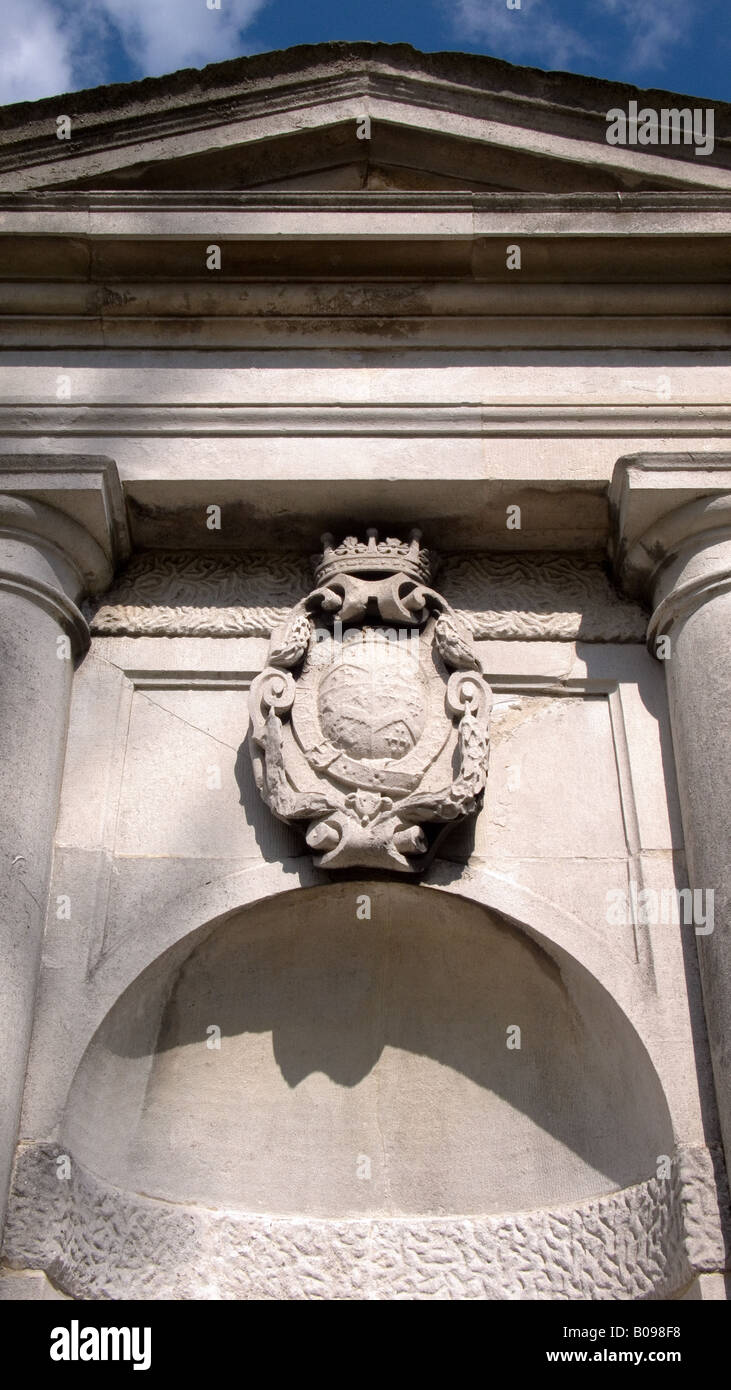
[390, 556]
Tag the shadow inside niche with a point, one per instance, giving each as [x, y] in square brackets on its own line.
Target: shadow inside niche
[335, 1034]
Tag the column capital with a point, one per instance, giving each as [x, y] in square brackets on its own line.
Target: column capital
[671, 539]
[63, 530]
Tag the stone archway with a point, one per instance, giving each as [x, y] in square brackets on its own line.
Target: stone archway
[363, 1126]
[296, 1039]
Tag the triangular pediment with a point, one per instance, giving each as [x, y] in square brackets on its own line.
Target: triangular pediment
[345, 117]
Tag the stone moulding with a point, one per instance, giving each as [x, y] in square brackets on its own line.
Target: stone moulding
[96, 1241]
[550, 598]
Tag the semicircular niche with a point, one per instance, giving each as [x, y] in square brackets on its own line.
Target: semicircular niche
[304, 1065]
[299, 1102]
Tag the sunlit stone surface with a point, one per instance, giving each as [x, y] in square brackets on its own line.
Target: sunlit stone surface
[263, 1035]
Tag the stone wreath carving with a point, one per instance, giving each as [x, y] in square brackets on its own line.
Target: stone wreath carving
[370, 721]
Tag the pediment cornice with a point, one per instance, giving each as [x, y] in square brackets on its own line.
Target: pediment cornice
[453, 116]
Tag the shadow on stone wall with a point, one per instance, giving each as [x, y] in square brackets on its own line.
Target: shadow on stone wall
[305, 1060]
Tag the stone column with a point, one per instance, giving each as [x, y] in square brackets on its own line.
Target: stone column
[673, 548]
[60, 522]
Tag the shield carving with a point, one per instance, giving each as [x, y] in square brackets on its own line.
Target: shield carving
[370, 701]
[372, 733]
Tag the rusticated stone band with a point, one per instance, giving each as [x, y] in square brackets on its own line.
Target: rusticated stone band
[97, 1242]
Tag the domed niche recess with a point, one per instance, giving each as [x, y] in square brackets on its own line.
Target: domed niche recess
[364, 1067]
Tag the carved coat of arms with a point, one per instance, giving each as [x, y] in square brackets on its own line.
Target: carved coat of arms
[369, 723]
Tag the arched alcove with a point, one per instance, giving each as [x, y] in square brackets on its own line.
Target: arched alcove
[364, 1066]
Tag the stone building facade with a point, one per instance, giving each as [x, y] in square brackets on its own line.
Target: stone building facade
[365, 929]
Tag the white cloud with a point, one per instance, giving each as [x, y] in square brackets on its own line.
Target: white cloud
[647, 31]
[35, 56]
[653, 30]
[55, 46]
[162, 35]
[530, 32]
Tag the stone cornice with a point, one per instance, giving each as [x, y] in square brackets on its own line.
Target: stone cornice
[474, 97]
[290, 68]
[376, 200]
[373, 270]
[368, 214]
[128, 269]
[68, 420]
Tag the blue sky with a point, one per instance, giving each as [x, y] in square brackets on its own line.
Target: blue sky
[54, 46]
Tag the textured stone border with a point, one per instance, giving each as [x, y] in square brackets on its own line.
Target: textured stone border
[510, 597]
[97, 1242]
